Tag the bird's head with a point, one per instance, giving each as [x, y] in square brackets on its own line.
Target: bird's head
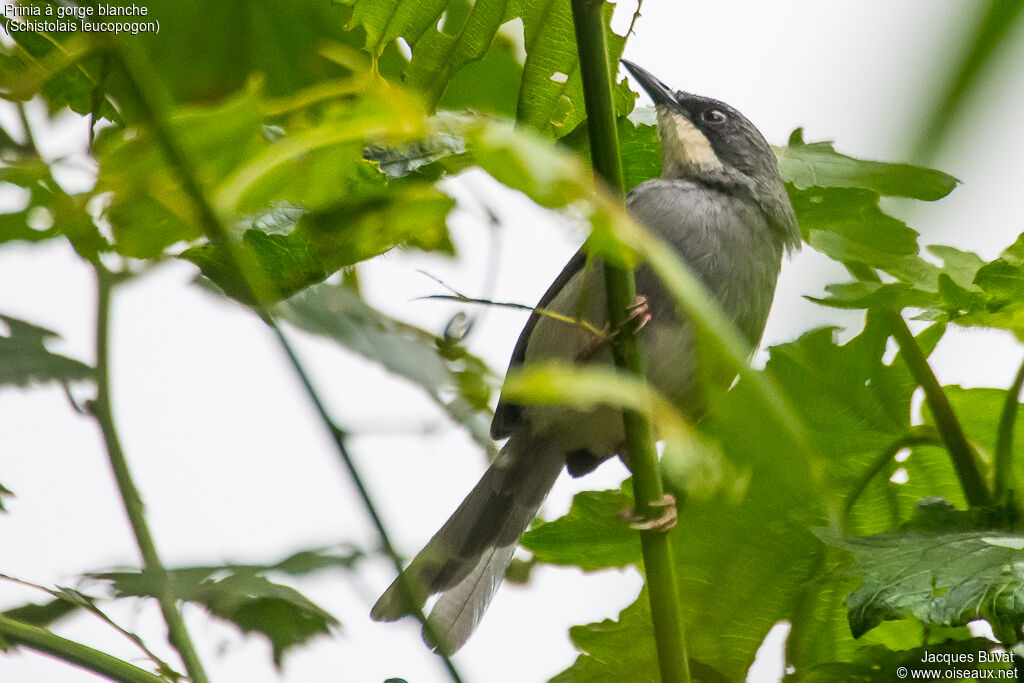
[707, 141]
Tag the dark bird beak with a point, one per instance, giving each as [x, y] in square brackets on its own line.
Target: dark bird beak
[659, 92]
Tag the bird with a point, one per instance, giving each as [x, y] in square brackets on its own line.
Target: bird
[721, 204]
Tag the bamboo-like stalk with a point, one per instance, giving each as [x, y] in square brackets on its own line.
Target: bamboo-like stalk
[620, 289]
[177, 634]
[16, 633]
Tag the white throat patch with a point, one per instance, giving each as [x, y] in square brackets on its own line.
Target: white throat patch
[683, 145]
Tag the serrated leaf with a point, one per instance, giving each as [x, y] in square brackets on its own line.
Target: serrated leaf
[25, 360]
[242, 595]
[818, 164]
[367, 223]
[590, 536]
[939, 573]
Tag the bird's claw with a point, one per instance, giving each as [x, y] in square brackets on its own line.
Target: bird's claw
[638, 315]
[666, 521]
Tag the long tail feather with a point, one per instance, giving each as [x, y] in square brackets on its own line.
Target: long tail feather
[466, 560]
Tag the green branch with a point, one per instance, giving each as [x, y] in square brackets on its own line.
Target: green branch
[16, 633]
[143, 83]
[1004, 480]
[620, 290]
[960, 451]
[177, 634]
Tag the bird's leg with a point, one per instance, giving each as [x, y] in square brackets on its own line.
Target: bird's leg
[639, 316]
[666, 521]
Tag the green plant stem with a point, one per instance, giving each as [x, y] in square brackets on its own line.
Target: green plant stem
[142, 78]
[16, 633]
[960, 451]
[620, 290]
[1004, 479]
[177, 634]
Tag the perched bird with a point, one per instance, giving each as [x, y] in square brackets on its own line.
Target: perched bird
[721, 204]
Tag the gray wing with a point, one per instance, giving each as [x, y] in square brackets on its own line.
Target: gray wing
[508, 415]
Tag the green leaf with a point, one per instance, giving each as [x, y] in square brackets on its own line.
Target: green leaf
[242, 595]
[338, 313]
[487, 85]
[818, 164]
[590, 536]
[551, 95]
[25, 360]
[847, 225]
[42, 615]
[368, 222]
[623, 650]
[940, 573]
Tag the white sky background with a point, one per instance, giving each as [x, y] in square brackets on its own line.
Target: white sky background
[233, 466]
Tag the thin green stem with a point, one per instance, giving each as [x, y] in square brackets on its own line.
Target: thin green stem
[921, 436]
[16, 633]
[620, 290]
[143, 82]
[960, 451]
[177, 634]
[1004, 479]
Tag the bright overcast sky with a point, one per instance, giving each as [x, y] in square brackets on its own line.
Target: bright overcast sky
[234, 467]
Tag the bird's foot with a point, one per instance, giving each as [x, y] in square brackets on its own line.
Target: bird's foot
[638, 316]
[666, 521]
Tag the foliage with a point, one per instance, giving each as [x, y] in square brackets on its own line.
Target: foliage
[324, 146]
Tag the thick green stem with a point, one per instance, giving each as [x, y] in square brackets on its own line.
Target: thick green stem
[142, 80]
[1004, 479]
[620, 288]
[960, 451]
[16, 633]
[177, 634]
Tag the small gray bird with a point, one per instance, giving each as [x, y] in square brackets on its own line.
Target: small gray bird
[721, 203]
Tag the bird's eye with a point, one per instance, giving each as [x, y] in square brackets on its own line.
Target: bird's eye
[714, 117]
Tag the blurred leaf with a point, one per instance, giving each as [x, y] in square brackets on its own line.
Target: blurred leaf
[997, 21]
[41, 615]
[4, 492]
[242, 595]
[638, 146]
[945, 568]
[50, 211]
[24, 359]
[818, 164]
[339, 313]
